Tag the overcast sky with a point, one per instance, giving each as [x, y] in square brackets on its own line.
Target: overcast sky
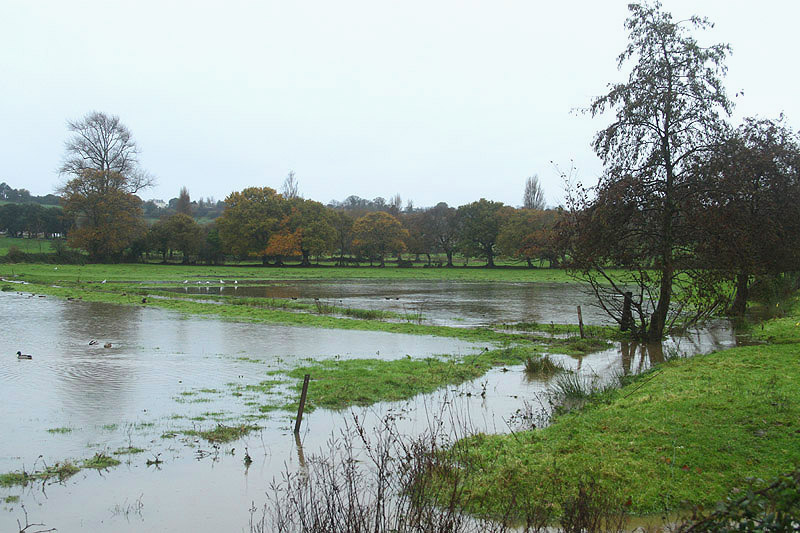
[435, 100]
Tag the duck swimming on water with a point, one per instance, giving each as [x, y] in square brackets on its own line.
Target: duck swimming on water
[21, 355]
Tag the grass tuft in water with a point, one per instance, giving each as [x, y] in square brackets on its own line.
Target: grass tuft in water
[100, 461]
[542, 367]
[224, 433]
[60, 430]
[130, 450]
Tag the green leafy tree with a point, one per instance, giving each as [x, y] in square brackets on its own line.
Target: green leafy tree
[479, 225]
[186, 235]
[667, 112]
[342, 222]
[440, 226]
[184, 203]
[250, 218]
[747, 210]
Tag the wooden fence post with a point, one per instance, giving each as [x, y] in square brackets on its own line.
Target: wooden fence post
[580, 322]
[302, 403]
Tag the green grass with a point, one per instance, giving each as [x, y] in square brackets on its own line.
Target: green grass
[223, 433]
[338, 384]
[685, 433]
[28, 246]
[151, 272]
[783, 329]
[100, 461]
[61, 430]
[129, 450]
[60, 471]
[11, 499]
[542, 367]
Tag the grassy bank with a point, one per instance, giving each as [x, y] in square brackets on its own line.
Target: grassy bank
[687, 432]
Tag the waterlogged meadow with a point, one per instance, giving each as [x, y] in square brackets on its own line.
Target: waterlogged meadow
[183, 421]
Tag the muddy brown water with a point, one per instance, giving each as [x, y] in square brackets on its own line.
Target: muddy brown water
[130, 393]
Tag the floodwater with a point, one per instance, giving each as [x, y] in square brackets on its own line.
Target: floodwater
[442, 303]
[164, 369]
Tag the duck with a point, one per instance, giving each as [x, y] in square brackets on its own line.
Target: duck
[107, 345]
[93, 342]
[21, 355]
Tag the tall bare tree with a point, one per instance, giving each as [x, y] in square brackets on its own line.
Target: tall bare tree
[534, 194]
[290, 186]
[102, 143]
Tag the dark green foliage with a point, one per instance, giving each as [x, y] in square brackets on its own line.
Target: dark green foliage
[759, 507]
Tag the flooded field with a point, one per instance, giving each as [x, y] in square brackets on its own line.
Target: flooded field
[441, 303]
[166, 373]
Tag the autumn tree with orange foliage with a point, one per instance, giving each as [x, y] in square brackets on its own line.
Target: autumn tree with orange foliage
[107, 218]
[378, 234]
[527, 234]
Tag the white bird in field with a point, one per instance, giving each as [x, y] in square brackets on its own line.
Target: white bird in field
[222, 282]
[236, 281]
[103, 281]
[185, 281]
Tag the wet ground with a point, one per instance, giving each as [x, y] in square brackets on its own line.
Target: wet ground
[164, 369]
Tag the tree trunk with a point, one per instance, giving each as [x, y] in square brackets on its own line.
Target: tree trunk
[449, 259]
[528, 259]
[305, 262]
[489, 258]
[659, 318]
[739, 305]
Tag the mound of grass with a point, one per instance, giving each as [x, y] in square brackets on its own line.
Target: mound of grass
[687, 433]
[61, 430]
[340, 384]
[100, 461]
[129, 450]
[223, 433]
[542, 367]
[60, 471]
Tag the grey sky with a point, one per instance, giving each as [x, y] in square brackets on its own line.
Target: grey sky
[435, 100]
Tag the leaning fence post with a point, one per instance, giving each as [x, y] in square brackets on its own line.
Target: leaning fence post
[580, 322]
[302, 403]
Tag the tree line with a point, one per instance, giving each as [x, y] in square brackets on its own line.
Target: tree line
[688, 212]
[20, 219]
